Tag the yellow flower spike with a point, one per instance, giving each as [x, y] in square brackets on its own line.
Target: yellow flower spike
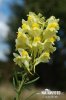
[35, 40]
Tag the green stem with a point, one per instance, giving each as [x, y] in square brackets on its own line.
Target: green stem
[17, 96]
[20, 86]
[19, 90]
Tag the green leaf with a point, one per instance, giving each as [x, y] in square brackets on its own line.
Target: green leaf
[32, 81]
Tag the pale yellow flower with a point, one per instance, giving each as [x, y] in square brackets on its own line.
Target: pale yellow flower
[52, 26]
[35, 40]
[22, 40]
[23, 59]
[43, 58]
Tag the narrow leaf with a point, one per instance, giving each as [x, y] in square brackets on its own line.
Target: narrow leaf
[32, 81]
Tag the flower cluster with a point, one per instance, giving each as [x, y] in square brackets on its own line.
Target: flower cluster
[35, 40]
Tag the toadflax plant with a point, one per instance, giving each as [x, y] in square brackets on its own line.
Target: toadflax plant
[35, 42]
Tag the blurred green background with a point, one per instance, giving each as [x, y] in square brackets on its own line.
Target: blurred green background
[53, 74]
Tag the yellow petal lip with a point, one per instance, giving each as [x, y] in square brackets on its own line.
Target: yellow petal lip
[25, 26]
[53, 25]
[35, 25]
[29, 18]
[47, 54]
[19, 34]
[37, 39]
[24, 53]
[52, 39]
